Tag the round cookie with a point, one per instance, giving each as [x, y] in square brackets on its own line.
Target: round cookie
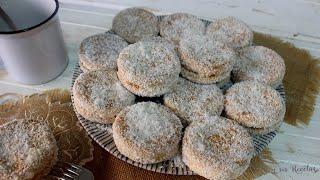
[205, 61]
[261, 64]
[217, 148]
[28, 149]
[100, 51]
[149, 67]
[231, 30]
[134, 24]
[254, 104]
[190, 101]
[175, 26]
[147, 132]
[99, 96]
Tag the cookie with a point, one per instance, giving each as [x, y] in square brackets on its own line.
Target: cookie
[205, 61]
[261, 64]
[100, 51]
[147, 133]
[254, 104]
[149, 67]
[217, 148]
[189, 101]
[175, 26]
[134, 24]
[232, 31]
[99, 96]
[28, 149]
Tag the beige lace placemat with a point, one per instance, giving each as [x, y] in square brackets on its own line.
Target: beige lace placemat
[55, 107]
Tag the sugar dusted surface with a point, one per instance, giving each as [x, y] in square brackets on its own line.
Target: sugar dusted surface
[148, 122]
[206, 57]
[150, 128]
[99, 95]
[103, 89]
[177, 25]
[101, 51]
[261, 64]
[191, 101]
[134, 24]
[231, 30]
[254, 104]
[221, 147]
[27, 149]
[150, 67]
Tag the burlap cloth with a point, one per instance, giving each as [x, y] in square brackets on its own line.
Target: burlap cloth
[301, 84]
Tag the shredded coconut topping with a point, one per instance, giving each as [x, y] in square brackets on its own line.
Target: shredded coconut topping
[149, 68]
[231, 30]
[206, 57]
[150, 122]
[190, 101]
[254, 104]
[261, 64]
[101, 51]
[134, 24]
[147, 132]
[99, 96]
[103, 89]
[27, 149]
[178, 25]
[222, 147]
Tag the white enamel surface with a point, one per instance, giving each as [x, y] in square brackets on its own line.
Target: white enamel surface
[38, 55]
[292, 146]
[27, 13]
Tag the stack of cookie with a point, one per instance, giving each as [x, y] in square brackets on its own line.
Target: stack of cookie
[184, 64]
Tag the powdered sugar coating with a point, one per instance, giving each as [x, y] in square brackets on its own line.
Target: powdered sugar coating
[261, 64]
[149, 68]
[254, 104]
[99, 95]
[190, 101]
[175, 26]
[206, 58]
[100, 51]
[147, 132]
[134, 24]
[231, 30]
[28, 150]
[217, 148]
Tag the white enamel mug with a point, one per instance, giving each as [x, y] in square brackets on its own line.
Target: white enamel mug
[33, 52]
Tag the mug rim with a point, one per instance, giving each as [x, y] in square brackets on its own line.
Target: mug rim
[35, 26]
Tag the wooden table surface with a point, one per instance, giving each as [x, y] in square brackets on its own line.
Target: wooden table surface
[296, 21]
